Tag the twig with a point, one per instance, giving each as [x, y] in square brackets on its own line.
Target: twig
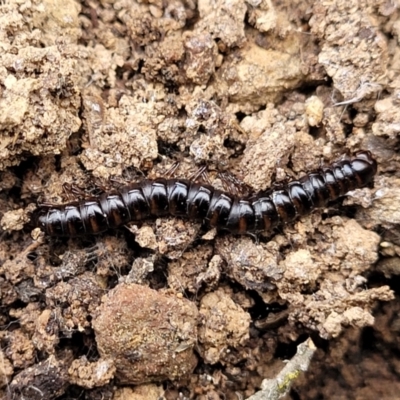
[274, 389]
[364, 89]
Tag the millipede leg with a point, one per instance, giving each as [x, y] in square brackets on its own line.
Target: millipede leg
[233, 184]
[201, 172]
[76, 191]
[171, 171]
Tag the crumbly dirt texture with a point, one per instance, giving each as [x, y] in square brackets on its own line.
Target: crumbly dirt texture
[95, 94]
[135, 323]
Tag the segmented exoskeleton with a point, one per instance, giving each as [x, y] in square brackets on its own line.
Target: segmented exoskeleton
[197, 201]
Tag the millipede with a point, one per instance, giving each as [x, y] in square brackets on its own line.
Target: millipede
[253, 214]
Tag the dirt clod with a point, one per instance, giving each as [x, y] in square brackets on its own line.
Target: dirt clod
[223, 324]
[45, 380]
[91, 374]
[134, 323]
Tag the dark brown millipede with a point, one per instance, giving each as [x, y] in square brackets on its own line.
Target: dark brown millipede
[184, 198]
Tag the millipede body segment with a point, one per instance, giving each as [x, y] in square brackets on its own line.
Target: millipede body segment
[197, 201]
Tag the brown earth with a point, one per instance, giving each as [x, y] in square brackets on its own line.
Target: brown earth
[102, 91]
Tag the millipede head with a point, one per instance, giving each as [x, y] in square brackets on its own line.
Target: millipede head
[38, 217]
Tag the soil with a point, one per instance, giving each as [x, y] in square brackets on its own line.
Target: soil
[95, 94]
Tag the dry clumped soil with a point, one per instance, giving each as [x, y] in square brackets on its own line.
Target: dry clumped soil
[98, 93]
